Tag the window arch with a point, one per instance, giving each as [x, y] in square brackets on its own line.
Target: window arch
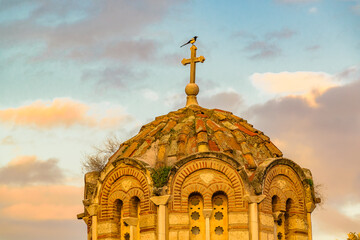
[119, 218]
[134, 212]
[279, 219]
[196, 216]
[288, 214]
[219, 217]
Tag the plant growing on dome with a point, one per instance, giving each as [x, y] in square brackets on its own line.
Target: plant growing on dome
[97, 160]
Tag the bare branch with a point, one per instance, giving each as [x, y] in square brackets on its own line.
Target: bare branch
[97, 160]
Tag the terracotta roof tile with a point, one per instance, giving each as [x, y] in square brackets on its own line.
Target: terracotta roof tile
[202, 137]
[195, 129]
[250, 161]
[273, 149]
[212, 125]
[229, 125]
[221, 141]
[191, 146]
[156, 129]
[245, 130]
[239, 136]
[219, 115]
[141, 150]
[213, 146]
[130, 150]
[169, 126]
[200, 125]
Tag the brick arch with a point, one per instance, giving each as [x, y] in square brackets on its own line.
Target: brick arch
[194, 188]
[219, 166]
[292, 196]
[227, 190]
[134, 192]
[267, 203]
[117, 195]
[111, 178]
[292, 179]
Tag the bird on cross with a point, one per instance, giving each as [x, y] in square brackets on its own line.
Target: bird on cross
[192, 41]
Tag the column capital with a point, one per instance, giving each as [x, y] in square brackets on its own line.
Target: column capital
[310, 206]
[92, 209]
[131, 221]
[160, 200]
[254, 198]
[207, 212]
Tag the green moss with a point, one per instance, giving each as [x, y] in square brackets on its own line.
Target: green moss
[160, 176]
[310, 182]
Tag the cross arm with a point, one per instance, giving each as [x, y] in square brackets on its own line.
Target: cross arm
[186, 61]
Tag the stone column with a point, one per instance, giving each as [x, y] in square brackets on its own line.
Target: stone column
[207, 215]
[92, 210]
[309, 207]
[163, 221]
[254, 215]
[132, 222]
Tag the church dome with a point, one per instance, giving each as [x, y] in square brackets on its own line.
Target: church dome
[193, 129]
[198, 173]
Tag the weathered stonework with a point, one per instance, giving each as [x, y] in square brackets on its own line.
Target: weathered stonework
[227, 180]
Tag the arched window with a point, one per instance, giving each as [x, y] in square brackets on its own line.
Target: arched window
[288, 214]
[135, 213]
[196, 216]
[219, 217]
[118, 216]
[279, 219]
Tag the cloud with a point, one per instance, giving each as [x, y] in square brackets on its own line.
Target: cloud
[8, 140]
[350, 74]
[266, 46]
[217, 98]
[309, 85]
[244, 34]
[64, 112]
[313, 47]
[325, 140]
[335, 222]
[42, 230]
[229, 100]
[313, 10]
[284, 33]
[113, 77]
[262, 49]
[150, 94]
[85, 30]
[25, 170]
[54, 202]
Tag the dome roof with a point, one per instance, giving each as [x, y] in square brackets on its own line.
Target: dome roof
[193, 129]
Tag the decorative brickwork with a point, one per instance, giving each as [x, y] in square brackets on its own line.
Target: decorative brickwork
[123, 183]
[282, 181]
[206, 177]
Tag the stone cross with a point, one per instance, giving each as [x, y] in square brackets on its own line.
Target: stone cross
[192, 89]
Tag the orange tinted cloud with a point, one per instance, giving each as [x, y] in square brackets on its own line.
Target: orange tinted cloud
[63, 112]
[41, 202]
[309, 85]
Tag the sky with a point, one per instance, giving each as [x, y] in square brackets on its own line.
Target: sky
[75, 72]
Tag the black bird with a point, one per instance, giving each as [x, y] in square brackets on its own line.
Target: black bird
[192, 41]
